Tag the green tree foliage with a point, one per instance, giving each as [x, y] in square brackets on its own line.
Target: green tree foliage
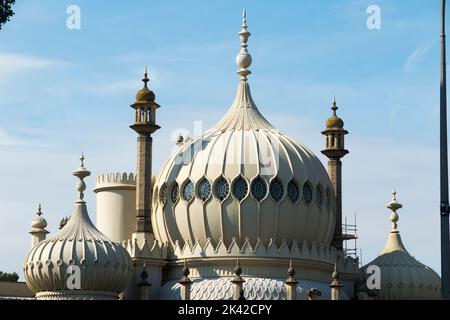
[6, 11]
[11, 277]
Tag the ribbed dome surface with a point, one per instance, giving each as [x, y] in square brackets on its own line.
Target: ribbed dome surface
[402, 276]
[243, 179]
[105, 264]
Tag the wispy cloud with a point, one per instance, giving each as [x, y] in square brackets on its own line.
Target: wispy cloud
[417, 56]
[15, 62]
[9, 140]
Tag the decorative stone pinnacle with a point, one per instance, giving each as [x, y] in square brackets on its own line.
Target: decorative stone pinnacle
[185, 270]
[291, 270]
[394, 205]
[39, 213]
[81, 173]
[335, 274]
[244, 59]
[238, 269]
[335, 283]
[144, 274]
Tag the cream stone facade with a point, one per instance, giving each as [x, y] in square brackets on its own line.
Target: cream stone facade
[242, 211]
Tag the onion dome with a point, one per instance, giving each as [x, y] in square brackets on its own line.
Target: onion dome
[334, 121]
[78, 262]
[145, 95]
[38, 224]
[402, 276]
[242, 179]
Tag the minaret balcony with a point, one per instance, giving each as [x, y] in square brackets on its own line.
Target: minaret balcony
[145, 128]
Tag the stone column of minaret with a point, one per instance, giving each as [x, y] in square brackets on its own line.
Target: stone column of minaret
[144, 125]
[336, 285]
[38, 231]
[335, 150]
[291, 283]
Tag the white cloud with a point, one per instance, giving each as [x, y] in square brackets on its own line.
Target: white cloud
[9, 140]
[417, 56]
[11, 63]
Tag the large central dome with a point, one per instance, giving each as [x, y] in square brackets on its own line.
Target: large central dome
[243, 179]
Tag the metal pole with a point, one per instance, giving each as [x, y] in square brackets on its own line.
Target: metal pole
[445, 241]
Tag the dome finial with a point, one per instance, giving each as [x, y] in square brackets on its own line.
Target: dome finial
[334, 107]
[39, 213]
[244, 59]
[394, 205]
[81, 173]
[145, 80]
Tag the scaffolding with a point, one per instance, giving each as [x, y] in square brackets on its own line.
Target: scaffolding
[350, 238]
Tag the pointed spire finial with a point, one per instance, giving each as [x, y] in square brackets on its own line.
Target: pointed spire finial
[291, 270]
[185, 270]
[145, 80]
[238, 269]
[334, 107]
[394, 205]
[39, 213]
[82, 160]
[81, 173]
[244, 59]
[335, 274]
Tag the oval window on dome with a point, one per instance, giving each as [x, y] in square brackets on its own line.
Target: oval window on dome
[174, 193]
[240, 188]
[163, 194]
[221, 188]
[276, 190]
[259, 188]
[204, 189]
[319, 196]
[188, 191]
[293, 191]
[307, 193]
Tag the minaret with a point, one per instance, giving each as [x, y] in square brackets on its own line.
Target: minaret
[144, 124]
[335, 150]
[38, 231]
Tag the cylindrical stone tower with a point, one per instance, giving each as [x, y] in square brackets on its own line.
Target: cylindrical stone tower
[116, 205]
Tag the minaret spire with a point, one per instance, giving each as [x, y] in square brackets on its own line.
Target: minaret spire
[244, 59]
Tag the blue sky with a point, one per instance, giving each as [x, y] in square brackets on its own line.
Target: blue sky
[65, 91]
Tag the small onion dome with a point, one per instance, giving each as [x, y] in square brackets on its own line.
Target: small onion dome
[145, 95]
[402, 276]
[38, 224]
[51, 267]
[334, 121]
